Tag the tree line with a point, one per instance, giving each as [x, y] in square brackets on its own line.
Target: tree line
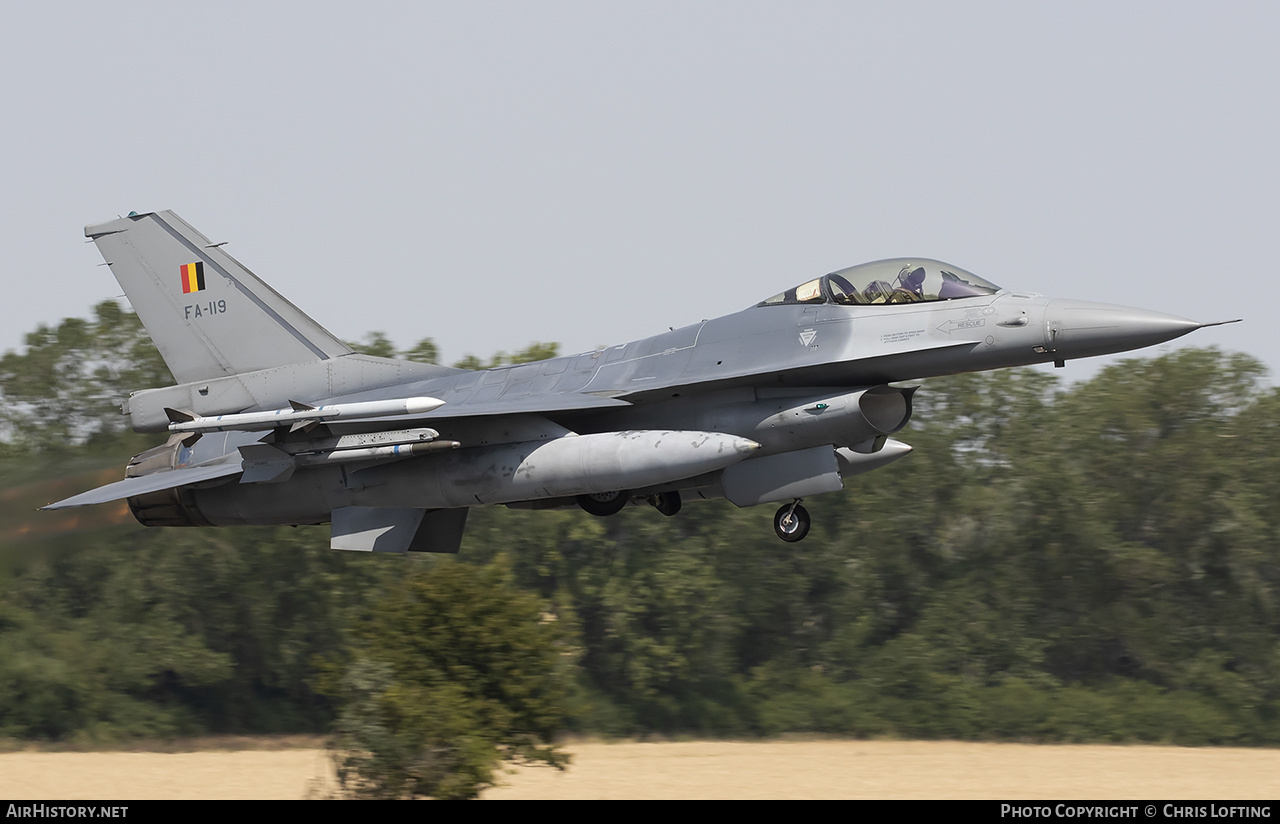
[1084, 563]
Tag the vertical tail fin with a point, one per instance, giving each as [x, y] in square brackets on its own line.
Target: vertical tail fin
[209, 316]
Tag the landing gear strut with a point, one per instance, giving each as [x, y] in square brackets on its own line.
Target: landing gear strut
[603, 503]
[792, 522]
[668, 503]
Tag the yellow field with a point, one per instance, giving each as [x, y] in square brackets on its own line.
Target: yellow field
[706, 770]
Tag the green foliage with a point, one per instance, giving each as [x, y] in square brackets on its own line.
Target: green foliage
[424, 351]
[532, 352]
[456, 671]
[65, 391]
[1088, 563]
[376, 344]
[407, 740]
[164, 632]
[379, 345]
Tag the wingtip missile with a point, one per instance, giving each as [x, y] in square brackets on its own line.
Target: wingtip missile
[299, 415]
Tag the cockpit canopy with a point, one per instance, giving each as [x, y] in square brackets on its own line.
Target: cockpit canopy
[899, 280]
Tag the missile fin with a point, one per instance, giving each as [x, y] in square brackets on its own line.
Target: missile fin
[178, 416]
[264, 464]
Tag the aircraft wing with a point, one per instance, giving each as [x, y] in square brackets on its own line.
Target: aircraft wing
[141, 485]
[528, 404]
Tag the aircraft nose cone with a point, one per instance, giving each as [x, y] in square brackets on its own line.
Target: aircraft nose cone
[1079, 328]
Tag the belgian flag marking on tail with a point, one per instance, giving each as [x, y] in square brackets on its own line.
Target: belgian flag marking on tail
[192, 277]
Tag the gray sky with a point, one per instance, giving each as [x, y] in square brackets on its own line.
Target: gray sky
[493, 173]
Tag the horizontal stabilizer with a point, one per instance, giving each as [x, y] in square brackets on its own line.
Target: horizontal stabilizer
[141, 485]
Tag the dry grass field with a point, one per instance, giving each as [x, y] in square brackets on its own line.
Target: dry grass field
[687, 770]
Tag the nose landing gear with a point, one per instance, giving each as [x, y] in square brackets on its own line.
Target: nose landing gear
[792, 522]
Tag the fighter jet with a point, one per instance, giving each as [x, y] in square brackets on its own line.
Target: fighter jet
[273, 420]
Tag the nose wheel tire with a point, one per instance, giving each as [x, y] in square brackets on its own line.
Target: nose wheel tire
[791, 523]
[603, 503]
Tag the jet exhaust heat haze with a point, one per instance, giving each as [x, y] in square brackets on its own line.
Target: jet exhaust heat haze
[273, 420]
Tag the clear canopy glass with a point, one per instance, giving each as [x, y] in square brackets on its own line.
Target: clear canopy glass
[900, 280]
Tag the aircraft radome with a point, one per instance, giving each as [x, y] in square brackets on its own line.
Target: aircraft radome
[273, 420]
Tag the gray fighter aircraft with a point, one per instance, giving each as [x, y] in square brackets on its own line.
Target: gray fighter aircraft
[273, 420]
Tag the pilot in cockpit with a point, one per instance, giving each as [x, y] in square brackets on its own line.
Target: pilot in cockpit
[908, 287]
[878, 284]
[910, 284]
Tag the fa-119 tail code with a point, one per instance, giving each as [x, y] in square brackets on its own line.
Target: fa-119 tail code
[209, 316]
